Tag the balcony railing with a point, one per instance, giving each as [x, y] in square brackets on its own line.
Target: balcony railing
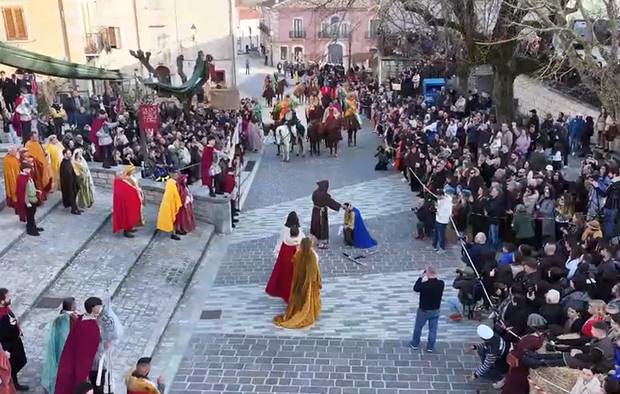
[94, 44]
[297, 34]
[372, 34]
[334, 34]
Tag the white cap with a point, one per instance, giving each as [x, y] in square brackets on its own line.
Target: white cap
[549, 167]
[485, 332]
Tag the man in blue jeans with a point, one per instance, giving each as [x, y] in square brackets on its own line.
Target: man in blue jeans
[442, 218]
[430, 290]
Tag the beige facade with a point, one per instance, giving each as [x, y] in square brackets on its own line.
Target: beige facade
[101, 32]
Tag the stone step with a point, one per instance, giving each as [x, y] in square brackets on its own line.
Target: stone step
[148, 297]
[98, 271]
[32, 264]
[13, 229]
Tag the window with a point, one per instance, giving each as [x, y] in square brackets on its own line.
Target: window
[14, 24]
[334, 21]
[298, 25]
[114, 37]
[344, 30]
[283, 53]
[374, 26]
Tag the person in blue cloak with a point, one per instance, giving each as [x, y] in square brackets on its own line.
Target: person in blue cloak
[355, 232]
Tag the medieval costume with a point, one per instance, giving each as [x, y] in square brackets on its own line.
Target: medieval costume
[53, 149]
[126, 206]
[319, 223]
[355, 232]
[27, 200]
[304, 305]
[255, 141]
[41, 174]
[6, 380]
[137, 379]
[210, 169]
[79, 355]
[516, 380]
[169, 208]
[184, 221]
[69, 186]
[11, 341]
[22, 117]
[10, 165]
[56, 338]
[269, 90]
[86, 186]
[279, 284]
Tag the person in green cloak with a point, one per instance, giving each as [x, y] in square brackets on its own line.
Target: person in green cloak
[258, 112]
[56, 337]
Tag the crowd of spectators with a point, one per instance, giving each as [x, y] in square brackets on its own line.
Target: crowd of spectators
[539, 244]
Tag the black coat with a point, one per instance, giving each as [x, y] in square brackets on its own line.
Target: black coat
[68, 183]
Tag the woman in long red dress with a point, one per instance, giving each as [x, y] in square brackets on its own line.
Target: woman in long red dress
[185, 217]
[279, 284]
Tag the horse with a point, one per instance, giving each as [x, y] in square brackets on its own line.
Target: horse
[352, 125]
[284, 140]
[333, 134]
[280, 88]
[316, 131]
[300, 132]
[311, 91]
[300, 92]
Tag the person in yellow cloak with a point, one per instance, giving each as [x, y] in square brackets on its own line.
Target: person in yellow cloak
[169, 207]
[54, 149]
[11, 171]
[138, 382]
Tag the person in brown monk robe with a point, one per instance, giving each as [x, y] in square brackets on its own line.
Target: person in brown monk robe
[319, 222]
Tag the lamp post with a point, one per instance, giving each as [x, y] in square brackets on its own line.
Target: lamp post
[194, 29]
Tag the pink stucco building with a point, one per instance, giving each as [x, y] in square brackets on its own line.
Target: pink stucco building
[301, 30]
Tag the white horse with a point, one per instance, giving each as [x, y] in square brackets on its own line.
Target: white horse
[284, 140]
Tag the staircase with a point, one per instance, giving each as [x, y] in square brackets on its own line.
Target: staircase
[78, 256]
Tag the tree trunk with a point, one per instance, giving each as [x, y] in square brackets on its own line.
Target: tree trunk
[503, 94]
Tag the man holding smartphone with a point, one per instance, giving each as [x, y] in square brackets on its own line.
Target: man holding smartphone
[429, 308]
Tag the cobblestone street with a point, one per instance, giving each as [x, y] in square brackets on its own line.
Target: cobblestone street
[221, 340]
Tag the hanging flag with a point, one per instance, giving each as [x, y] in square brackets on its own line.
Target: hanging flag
[148, 119]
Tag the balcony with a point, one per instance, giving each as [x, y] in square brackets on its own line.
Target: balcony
[297, 34]
[94, 43]
[330, 34]
[372, 35]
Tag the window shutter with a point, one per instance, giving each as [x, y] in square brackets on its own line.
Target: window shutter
[9, 24]
[14, 23]
[20, 23]
[114, 39]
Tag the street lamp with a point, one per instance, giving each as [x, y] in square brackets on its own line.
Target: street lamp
[193, 30]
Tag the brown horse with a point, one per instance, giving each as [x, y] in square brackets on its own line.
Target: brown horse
[300, 92]
[280, 88]
[311, 91]
[352, 125]
[333, 134]
[316, 131]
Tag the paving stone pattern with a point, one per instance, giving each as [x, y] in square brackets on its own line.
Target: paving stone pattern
[33, 263]
[12, 228]
[251, 262]
[359, 344]
[230, 363]
[373, 198]
[379, 306]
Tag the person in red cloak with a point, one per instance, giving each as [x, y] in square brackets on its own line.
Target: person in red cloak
[11, 338]
[92, 134]
[184, 220]
[27, 200]
[228, 186]
[279, 284]
[126, 205]
[205, 165]
[78, 360]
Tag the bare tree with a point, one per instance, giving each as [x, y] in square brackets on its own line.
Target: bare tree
[586, 41]
[488, 32]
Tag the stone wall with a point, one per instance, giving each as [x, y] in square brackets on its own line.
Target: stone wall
[533, 94]
[213, 210]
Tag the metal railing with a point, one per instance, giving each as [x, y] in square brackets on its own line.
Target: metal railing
[93, 44]
[297, 34]
[334, 34]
